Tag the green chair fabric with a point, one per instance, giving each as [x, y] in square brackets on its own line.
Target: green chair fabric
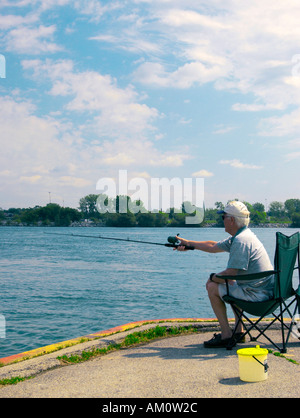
[286, 299]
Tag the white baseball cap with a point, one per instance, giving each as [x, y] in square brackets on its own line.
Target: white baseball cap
[236, 208]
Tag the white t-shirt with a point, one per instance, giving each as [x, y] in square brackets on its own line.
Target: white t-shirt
[248, 255]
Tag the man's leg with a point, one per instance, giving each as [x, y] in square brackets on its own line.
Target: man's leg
[219, 309]
[238, 323]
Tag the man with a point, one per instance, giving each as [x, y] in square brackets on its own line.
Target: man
[246, 255]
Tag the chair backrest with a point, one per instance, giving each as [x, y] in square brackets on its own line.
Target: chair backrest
[286, 254]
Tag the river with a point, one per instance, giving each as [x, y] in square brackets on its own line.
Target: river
[58, 287]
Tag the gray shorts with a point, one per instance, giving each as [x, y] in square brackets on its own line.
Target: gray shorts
[234, 290]
[244, 292]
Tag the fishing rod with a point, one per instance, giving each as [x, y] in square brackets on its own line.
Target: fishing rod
[172, 241]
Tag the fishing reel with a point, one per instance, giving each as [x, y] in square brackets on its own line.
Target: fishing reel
[173, 240]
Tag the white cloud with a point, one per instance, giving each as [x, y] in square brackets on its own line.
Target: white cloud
[238, 164]
[288, 124]
[131, 42]
[292, 156]
[294, 146]
[218, 42]
[94, 8]
[184, 77]
[119, 159]
[257, 107]
[75, 181]
[53, 153]
[249, 48]
[138, 153]
[31, 145]
[203, 173]
[222, 129]
[11, 21]
[191, 19]
[116, 111]
[30, 179]
[34, 151]
[33, 41]
[165, 160]
[152, 73]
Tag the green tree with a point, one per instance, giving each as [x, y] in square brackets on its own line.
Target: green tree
[257, 213]
[219, 206]
[211, 216]
[258, 207]
[121, 220]
[161, 219]
[146, 219]
[258, 217]
[67, 215]
[50, 212]
[292, 206]
[87, 205]
[296, 220]
[30, 216]
[276, 210]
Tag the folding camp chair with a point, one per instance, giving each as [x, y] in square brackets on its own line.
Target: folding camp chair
[285, 299]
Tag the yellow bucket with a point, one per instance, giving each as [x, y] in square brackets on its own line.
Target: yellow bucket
[253, 364]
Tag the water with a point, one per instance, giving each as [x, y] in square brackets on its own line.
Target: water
[55, 287]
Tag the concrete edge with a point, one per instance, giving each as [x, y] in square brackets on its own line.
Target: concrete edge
[33, 362]
[64, 344]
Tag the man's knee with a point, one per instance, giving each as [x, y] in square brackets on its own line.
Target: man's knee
[212, 288]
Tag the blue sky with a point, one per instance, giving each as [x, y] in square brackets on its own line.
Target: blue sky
[168, 88]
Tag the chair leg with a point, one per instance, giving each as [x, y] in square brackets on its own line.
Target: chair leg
[252, 326]
[297, 309]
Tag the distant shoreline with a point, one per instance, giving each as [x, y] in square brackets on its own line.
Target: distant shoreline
[91, 225]
[279, 215]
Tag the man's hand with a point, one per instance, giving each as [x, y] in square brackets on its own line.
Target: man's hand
[183, 244]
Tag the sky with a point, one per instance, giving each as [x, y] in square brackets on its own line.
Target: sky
[159, 88]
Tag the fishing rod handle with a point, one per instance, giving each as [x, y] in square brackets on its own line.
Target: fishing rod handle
[187, 247]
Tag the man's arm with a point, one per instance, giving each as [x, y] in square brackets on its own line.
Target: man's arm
[227, 272]
[206, 246]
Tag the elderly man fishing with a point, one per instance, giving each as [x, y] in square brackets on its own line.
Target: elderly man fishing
[246, 255]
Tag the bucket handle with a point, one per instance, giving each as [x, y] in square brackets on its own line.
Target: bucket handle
[265, 365]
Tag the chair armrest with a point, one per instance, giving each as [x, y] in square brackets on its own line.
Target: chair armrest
[253, 276]
[240, 277]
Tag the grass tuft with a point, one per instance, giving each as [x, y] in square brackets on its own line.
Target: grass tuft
[132, 339]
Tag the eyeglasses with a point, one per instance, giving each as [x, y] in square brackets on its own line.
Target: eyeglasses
[225, 216]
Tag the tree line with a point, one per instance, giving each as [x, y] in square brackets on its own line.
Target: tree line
[110, 214]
